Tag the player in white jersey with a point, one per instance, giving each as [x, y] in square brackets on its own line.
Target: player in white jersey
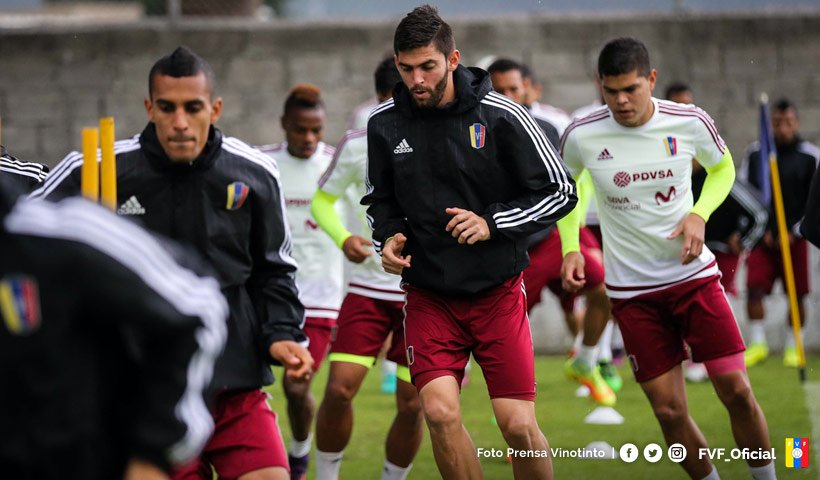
[302, 159]
[358, 119]
[662, 280]
[372, 309]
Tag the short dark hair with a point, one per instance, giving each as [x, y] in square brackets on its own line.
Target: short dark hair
[182, 62]
[386, 76]
[676, 88]
[782, 104]
[529, 74]
[502, 65]
[420, 28]
[304, 95]
[624, 55]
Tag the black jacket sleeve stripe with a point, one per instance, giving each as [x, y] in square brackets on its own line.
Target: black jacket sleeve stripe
[73, 161]
[80, 221]
[26, 169]
[557, 173]
[243, 150]
[754, 209]
[369, 186]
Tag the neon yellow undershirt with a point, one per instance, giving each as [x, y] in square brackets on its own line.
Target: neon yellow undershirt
[716, 187]
[322, 206]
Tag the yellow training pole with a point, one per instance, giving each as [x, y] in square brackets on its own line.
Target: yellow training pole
[787, 262]
[108, 166]
[91, 169]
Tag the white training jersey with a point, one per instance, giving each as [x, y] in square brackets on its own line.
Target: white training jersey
[320, 276]
[642, 179]
[554, 115]
[360, 115]
[347, 171]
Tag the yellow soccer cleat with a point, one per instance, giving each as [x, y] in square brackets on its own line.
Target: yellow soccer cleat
[790, 357]
[591, 378]
[756, 353]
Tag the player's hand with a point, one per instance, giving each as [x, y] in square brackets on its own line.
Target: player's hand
[392, 259]
[466, 226]
[295, 358]
[572, 272]
[140, 470]
[693, 228]
[355, 248]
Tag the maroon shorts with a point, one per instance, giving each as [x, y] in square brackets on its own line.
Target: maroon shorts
[318, 331]
[246, 438]
[442, 331]
[655, 325]
[765, 265]
[545, 271]
[364, 324]
[727, 263]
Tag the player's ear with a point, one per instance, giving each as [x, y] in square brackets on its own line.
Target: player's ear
[453, 59]
[216, 110]
[652, 77]
[149, 109]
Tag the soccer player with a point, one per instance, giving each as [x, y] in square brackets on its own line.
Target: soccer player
[371, 311]
[302, 159]
[106, 345]
[532, 97]
[458, 177]
[27, 175]
[734, 227]
[545, 267]
[663, 282]
[183, 178]
[796, 161]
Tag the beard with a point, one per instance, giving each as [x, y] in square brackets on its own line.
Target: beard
[436, 94]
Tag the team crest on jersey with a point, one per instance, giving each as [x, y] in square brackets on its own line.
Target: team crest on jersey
[20, 304]
[671, 144]
[478, 133]
[237, 194]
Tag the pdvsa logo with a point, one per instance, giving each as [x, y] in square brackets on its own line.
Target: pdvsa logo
[623, 179]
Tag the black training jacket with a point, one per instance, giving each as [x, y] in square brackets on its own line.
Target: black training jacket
[483, 153]
[106, 344]
[244, 236]
[741, 212]
[796, 163]
[27, 175]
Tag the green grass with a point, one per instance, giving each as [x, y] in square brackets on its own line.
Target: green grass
[561, 414]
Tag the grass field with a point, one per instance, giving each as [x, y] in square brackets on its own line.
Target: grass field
[561, 415]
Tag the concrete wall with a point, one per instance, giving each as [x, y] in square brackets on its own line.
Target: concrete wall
[55, 81]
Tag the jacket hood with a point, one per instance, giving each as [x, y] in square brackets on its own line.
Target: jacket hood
[156, 155]
[471, 85]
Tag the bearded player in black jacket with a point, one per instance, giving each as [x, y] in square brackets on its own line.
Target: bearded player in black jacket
[106, 346]
[458, 178]
[182, 178]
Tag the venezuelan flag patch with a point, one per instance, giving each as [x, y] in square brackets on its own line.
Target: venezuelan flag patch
[237, 193]
[671, 144]
[20, 304]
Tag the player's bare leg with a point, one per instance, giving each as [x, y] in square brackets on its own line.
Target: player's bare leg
[667, 395]
[404, 437]
[748, 422]
[334, 421]
[516, 419]
[301, 407]
[453, 449]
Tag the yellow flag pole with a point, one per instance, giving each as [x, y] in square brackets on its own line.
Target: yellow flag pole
[785, 251]
[108, 164]
[90, 179]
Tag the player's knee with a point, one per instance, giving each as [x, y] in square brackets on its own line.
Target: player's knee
[441, 414]
[339, 392]
[737, 396]
[296, 391]
[518, 431]
[409, 406]
[671, 414]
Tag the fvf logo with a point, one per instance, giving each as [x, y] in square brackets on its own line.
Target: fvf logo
[671, 194]
[403, 147]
